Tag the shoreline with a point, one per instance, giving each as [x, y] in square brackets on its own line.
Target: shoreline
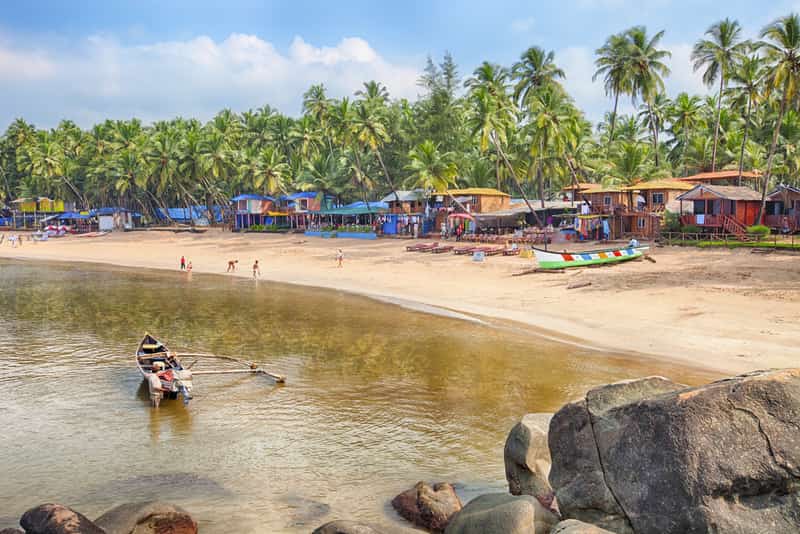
[675, 310]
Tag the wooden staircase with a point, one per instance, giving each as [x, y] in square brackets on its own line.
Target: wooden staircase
[732, 226]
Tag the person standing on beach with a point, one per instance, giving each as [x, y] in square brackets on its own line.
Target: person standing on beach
[256, 270]
[183, 263]
[339, 258]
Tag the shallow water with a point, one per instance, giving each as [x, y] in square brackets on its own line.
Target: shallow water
[377, 397]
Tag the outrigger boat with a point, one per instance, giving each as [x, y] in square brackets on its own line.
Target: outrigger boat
[176, 379]
[565, 260]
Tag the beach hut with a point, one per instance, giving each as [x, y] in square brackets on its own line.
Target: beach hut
[783, 209]
[300, 206]
[406, 213]
[721, 208]
[603, 200]
[655, 195]
[729, 177]
[113, 218]
[255, 210]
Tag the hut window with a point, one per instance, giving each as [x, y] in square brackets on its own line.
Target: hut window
[607, 200]
[640, 222]
[658, 198]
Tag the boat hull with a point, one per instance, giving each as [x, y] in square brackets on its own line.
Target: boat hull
[566, 260]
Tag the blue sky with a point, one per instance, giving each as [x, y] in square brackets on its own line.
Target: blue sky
[95, 59]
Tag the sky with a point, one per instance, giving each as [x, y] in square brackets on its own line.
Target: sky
[156, 59]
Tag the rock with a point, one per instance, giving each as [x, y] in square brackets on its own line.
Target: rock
[527, 458]
[11, 531]
[428, 507]
[650, 456]
[57, 519]
[304, 511]
[147, 518]
[345, 527]
[500, 513]
[573, 526]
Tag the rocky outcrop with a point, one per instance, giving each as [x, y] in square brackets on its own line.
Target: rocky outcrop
[147, 518]
[345, 527]
[652, 456]
[500, 513]
[11, 531]
[527, 458]
[428, 507]
[573, 526]
[57, 519]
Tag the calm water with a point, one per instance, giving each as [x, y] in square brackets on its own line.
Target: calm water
[377, 397]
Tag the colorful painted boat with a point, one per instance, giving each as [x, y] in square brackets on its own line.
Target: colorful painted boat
[564, 260]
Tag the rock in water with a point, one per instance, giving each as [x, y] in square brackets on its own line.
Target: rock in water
[650, 456]
[57, 519]
[147, 518]
[573, 526]
[527, 457]
[428, 507]
[345, 527]
[500, 513]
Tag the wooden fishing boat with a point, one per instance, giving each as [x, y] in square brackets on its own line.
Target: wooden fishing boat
[565, 260]
[175, 379]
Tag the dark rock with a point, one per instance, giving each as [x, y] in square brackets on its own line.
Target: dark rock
[573, 526]
[57, 519]
[428, 507]
[500, 513]
[304, 511]
[345, 527]
[147, 518]
[527, 457]
[724, 457]
[11, 531]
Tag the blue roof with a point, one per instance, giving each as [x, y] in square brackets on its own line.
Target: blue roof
[112, 211]
[251, 196]
[301, 194]
[71, 215]
[182, 214]
[373, 205]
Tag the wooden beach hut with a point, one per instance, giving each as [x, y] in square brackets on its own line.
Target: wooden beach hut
[728, 177]
[783, 209]
[721, 208]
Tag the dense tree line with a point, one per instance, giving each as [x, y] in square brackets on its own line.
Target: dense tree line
[511, 127]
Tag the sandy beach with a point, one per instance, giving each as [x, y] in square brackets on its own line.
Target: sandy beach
[728, 311]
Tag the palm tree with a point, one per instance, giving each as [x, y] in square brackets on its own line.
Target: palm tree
[647, 71]
[430, 169]
[782, 53]
[552, 117]
[685, 117]
[613, 65]
[371, 132]
[534, 70]
[718, 56]
[748, 79]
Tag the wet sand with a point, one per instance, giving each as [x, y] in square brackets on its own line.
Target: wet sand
[727, 311]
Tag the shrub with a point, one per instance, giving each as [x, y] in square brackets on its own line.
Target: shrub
[758, 229]
[672, 222]
[691, 229]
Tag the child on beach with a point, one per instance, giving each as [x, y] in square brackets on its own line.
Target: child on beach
[232, 266]
[183, 263]
[339, 258]
[189, 268]
[256, 270]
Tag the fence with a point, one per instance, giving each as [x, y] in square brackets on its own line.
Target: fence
[750, 240]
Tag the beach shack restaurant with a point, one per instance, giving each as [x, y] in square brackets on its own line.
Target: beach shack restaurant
[252, 209]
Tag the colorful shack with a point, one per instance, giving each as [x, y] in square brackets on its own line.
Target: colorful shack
[783, 209]
[720, 208]
[406, 213]
[252, 210]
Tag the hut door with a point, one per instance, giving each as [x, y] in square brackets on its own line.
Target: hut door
[732, 207]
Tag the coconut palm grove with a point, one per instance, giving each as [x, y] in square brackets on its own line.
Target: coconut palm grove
[512, 127]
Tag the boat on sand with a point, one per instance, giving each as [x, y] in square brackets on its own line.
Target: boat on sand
[564, 260]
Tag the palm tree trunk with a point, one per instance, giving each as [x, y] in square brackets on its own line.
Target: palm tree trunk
[744, 141]
[654, 128]
[516, 181]
[771, 156]
[361, 182]
[388, 178]
[716, 127]
[613, 120]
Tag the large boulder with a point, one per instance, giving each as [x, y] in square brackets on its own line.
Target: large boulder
[652, 456]
[147, 518]
[11, 531]
[428, 507]
[573, 526]
[527, 457]
[345, 527]
[57, 519]
[500, 513]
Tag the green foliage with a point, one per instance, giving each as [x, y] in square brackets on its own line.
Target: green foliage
[759, 230]
[691, 229]
[672, 222]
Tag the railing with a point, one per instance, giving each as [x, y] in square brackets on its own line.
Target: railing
[751, 240]
[776, 221]
[708, 220]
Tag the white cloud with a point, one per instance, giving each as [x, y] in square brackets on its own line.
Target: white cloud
[683, 78]
[522, 25]
[101, 78]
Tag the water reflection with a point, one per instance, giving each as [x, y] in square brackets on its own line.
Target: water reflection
[377, 397]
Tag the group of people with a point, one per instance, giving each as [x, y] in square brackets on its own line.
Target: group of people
[13, 239]
[186, 266]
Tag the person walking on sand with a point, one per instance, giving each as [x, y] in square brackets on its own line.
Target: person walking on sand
[339, 258]
[189, 268]
[232, 266]
[256, 270]
[183, 263]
